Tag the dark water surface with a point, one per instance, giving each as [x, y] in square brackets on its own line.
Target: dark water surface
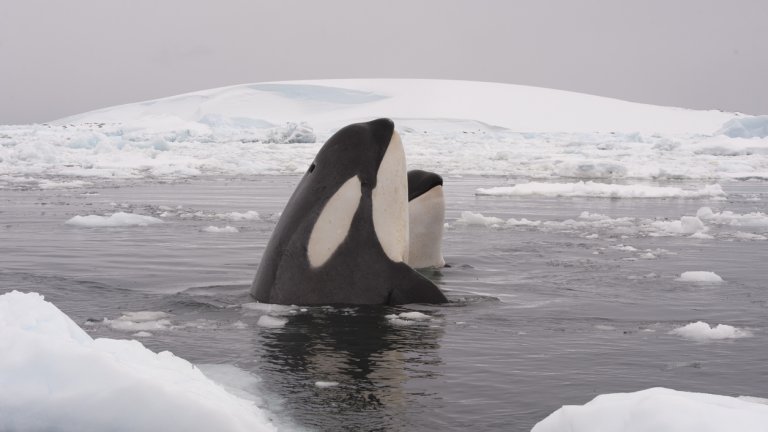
[541, 316]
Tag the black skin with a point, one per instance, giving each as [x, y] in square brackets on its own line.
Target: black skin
[421, 182]
[359, 271]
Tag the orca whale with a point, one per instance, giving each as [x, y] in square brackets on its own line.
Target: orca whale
[426, 215]
[343, 236]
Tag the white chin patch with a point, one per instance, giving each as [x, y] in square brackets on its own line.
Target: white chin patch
[332, 226]
[427, 216]
[390, 202]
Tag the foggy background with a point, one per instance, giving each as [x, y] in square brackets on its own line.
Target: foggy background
[60, 58]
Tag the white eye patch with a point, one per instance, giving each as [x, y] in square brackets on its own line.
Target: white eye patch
[332, 226]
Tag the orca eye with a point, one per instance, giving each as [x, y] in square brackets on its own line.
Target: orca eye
[311, 167]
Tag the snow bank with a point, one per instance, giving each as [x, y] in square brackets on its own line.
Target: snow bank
[450, 127]
[657, 410]
[119, 219]
[54, 376]
[700, 276]
[701, 332]
[601, 190]
[745, 127]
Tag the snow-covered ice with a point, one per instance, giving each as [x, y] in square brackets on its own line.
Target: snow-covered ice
[700, 276]
[656, 410]
[119, 219]
[452, 127]
[701, 331]
[54, 376]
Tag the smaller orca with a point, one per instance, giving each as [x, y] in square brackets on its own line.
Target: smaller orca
[426, 215]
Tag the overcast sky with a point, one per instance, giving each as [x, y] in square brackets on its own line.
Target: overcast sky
[64, 57]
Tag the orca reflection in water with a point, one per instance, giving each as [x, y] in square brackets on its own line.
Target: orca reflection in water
[343, 236]
[426, 214]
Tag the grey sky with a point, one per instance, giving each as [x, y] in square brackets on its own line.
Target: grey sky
[64, 57]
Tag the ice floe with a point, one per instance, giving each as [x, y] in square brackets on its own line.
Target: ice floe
[601, 190]
[119, 219]
[226, 229]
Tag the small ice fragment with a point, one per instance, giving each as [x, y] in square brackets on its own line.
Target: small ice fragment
[268, 321]
[226, 229]
[700, 276]
[142, 334]
[326, 384]
[701, 331]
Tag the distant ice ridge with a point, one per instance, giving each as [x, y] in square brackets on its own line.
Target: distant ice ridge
[657, 410]
[54, 376]
[601, 190]
[746, 127]
[451, 127]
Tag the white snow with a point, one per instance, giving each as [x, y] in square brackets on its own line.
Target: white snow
[701, 332]
[700, 276]
[226, 229]
[657, 410]
[602, 190]
[451, 127]
[54, 376]
[119, 219]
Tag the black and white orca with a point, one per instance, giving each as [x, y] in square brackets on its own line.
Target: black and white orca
[426, 214]
[343, 236]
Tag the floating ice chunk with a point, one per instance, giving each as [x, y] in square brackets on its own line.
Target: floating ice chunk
[700, 276]
[226, 229]
[407, 318]
[656, 410]
[142, 334]
[686, 225]
[119, 219]
[745, 127]
[236, 216]
[522, 222]
[469, 218]
[51, 371]
[701, 331]
[271, 321]
[326, 384]
[624, 248]
[749, 236]
[601, 190]
[140, 321]
[756, 219]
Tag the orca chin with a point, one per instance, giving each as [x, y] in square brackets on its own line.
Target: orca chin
[344, 237]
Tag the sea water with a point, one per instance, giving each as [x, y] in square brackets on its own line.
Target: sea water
[581, 298]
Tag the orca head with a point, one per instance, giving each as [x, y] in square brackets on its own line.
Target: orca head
[361, 162]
